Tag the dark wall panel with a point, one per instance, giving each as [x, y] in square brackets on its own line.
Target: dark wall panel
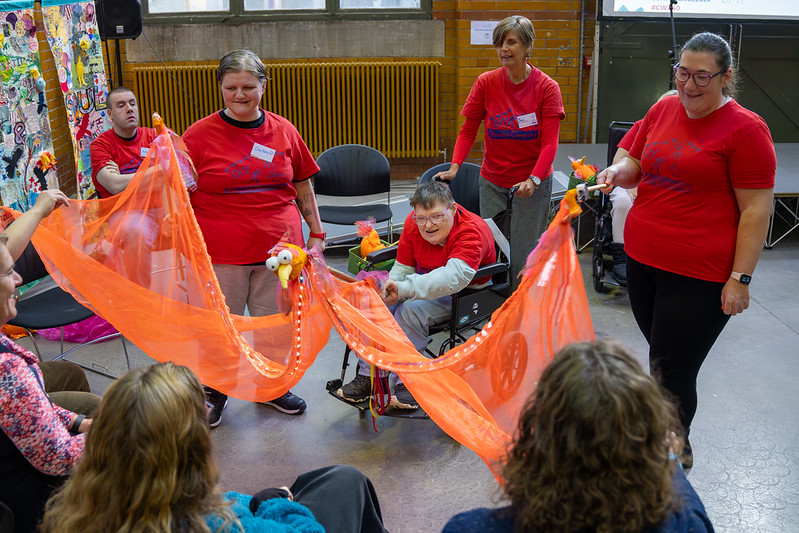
[634, 70]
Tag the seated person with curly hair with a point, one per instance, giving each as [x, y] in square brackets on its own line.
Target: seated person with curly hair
[594, 452]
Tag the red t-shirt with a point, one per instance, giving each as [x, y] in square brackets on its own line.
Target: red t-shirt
[685, 218]
[127, 154]
[244, 201]
[470, 240]
[626, 142]
[512, 114]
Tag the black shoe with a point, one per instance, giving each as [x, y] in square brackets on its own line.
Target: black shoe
[215, 402]
[288, 403]
[357, 390]
[619, 263]
[402, 398]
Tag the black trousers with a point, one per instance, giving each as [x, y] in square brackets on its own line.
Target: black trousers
[681, 318]
[341, 498]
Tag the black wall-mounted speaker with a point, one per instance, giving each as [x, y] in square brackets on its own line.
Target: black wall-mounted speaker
[118, 19]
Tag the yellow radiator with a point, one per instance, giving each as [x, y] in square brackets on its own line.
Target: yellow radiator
[391, 106]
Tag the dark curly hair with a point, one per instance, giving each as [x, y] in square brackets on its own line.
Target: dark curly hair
[592, 450]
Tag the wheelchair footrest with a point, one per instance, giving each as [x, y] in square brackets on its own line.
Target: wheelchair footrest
[363, 407]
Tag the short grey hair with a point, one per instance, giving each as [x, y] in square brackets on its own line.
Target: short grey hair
[429, 193]
[521, 25]
[241, 61]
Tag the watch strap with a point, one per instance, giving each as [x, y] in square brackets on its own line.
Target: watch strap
[741, 277]
[314, 235]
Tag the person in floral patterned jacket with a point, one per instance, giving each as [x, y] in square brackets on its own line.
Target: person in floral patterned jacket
[40, 441]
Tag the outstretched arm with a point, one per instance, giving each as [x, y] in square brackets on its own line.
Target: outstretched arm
[626, 173]
[20, 232]
[463, 144]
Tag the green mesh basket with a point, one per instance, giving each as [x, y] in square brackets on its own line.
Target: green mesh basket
[356, 263]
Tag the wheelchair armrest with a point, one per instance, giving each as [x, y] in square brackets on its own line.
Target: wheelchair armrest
[384, 254]
[490, 269]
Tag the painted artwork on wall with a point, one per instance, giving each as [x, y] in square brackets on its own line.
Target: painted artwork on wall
[75, 42]
[28, 164]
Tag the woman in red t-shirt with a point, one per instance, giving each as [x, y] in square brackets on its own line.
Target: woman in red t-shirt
[253, 185]
[705, 170]
[522, 109]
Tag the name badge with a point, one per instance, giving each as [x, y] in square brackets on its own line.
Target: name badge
[262, 152]
[144, 151]
[525, 121]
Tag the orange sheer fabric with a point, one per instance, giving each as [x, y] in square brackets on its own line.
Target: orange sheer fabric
[139, 260]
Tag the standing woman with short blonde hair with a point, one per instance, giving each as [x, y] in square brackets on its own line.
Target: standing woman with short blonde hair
[521, 108]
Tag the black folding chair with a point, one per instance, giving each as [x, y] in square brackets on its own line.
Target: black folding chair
[354, 170]
[53, 308]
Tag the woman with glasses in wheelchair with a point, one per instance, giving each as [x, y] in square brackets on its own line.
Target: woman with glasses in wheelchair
[522, 109]
[441, 247]
[705, 169]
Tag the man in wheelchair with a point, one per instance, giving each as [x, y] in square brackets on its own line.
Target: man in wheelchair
[441, 247]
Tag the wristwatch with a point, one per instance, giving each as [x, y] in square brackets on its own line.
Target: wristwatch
[746, 279]
[536, 180]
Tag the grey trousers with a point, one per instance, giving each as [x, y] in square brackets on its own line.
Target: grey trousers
[253, 287]
[528, 222]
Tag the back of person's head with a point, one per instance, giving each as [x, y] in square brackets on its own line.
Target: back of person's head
[147, 464]
[716, 46]
[593, 443]
[430, 193]
[241, 61]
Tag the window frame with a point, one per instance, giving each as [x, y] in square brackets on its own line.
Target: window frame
[237, 15]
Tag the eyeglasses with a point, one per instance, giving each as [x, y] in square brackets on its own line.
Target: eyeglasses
[701, 79]
[435, 219]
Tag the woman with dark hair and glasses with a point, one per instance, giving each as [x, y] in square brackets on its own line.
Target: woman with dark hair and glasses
[705, 168]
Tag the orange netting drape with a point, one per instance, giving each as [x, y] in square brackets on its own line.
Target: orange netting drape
[138, 260]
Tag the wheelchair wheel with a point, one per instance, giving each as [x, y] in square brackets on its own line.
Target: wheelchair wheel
[598, 272]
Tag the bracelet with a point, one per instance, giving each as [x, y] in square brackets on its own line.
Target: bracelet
[313, 235]
[75, 425]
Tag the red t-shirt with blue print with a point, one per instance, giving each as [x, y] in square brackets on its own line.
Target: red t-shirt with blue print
[685, 218]
[512, 115]
[244, 201]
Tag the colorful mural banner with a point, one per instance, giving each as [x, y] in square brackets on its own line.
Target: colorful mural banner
[28, 164]
[75, 42]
